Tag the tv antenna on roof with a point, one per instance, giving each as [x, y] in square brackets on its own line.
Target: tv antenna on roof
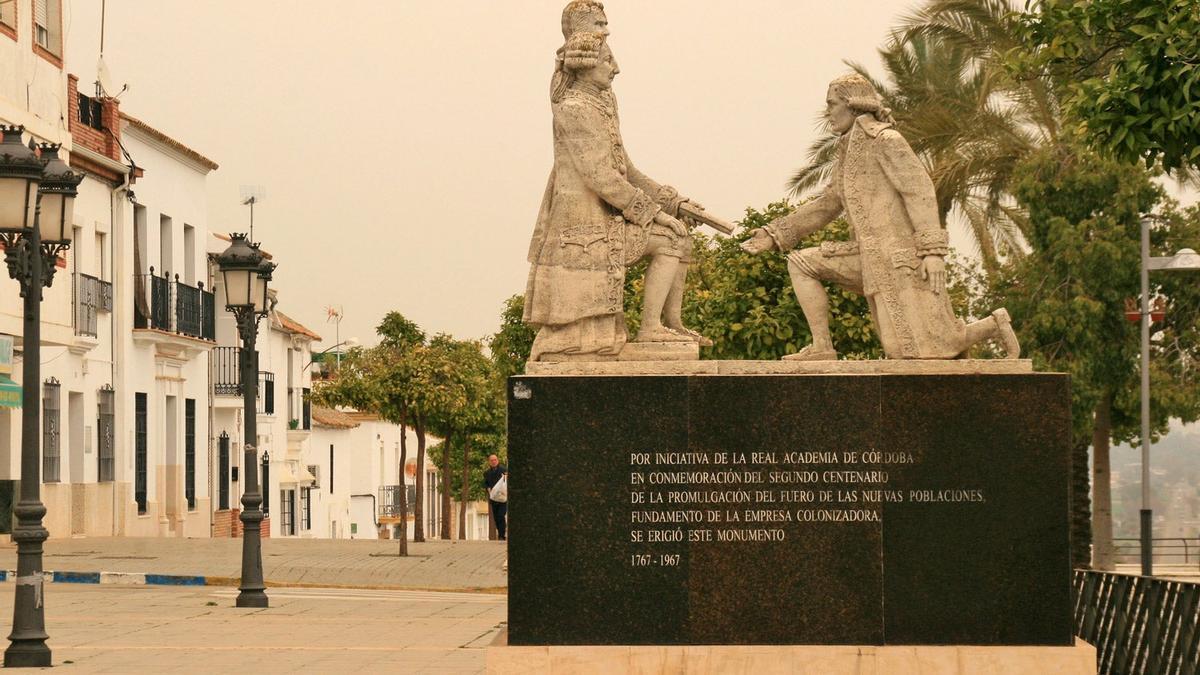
[251, 195]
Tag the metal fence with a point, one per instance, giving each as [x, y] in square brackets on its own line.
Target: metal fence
[1139, 624]
[1170, 550]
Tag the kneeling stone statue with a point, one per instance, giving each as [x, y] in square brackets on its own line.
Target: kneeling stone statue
[896, 257]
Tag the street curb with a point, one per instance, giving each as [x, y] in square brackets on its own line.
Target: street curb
[149, 579]
[115, 578]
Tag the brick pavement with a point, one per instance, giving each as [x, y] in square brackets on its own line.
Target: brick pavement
[472, 565]
[198, 630]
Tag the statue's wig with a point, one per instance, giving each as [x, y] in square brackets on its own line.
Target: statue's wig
[858, 93]
[576, 15]
[580, 53]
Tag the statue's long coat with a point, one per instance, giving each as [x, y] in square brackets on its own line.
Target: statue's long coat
[594, 220]
[889, 201]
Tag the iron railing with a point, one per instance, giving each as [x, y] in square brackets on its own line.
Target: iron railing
[389, 500]
[208, 315]
[51, 430]
[1171, 550]
[88, 302]
[106, 296]
[160, 302]
[226, 371]
[106, 434]
[266, 392]
[1139, 624]
[187, 309]
[176, 307]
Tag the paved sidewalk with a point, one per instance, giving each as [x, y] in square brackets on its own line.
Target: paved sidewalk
[438, 565]
[198, 630]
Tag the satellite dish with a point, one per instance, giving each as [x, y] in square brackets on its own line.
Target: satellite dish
[252, 194]
[104, 78]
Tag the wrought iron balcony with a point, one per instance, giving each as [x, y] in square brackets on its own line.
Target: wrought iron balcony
[226, 363]
[174, 306]
[226, 371]
[92, 296]
[389, 500]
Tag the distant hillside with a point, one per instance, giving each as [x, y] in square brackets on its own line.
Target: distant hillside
[1174, 482]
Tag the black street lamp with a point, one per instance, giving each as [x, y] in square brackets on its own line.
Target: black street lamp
[245, 272]
[37, 202]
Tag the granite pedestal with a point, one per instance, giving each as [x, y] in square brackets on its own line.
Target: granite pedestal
[866, 509]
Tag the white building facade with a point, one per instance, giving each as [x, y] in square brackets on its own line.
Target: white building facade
[283, 418]
[124, 359]
[357, 456]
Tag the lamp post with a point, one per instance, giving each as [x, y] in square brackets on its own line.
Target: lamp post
[245, 272]
[1186, 259]
[37, 202]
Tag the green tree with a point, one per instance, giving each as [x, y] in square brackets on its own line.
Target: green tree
[511, 345]
[969, 121]
[388, 380]
[1131, 73]
[1068, 300]
[462, 396]
[745, 303]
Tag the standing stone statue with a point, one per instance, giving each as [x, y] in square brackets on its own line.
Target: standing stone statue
[599, 215]
[897, 255]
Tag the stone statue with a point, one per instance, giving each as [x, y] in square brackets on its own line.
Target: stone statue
[599, 215]
[896, 257]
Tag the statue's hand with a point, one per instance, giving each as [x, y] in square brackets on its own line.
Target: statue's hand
[933, 270]
[663, 218]
[759, 242]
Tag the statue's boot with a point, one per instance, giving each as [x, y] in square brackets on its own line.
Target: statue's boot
[661, 334]
[693, 335]
[811, 354]
[1006, 335]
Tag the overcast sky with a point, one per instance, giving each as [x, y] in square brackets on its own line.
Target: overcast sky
[404, 144]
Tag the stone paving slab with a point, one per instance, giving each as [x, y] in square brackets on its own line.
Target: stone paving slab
[437, 565]
[107, 629]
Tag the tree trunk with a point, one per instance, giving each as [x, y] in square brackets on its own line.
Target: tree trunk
[1081, 505]
[465, 492]
[446, 513]
[419, 497]
[1102, 551]
[403, 491]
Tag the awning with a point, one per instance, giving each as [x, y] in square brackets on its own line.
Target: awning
[10, 392]
[287, 476]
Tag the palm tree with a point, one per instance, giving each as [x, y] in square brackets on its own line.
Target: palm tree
[965, 117]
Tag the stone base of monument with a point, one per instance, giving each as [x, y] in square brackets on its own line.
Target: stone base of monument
[910, 510]
[1079, 659]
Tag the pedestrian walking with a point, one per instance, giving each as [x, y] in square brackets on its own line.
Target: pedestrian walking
[495, 479]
